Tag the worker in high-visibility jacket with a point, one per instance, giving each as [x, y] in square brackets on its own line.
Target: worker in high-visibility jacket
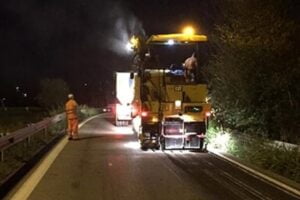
[71, 114]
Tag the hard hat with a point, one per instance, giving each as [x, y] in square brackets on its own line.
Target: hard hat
[70, 96]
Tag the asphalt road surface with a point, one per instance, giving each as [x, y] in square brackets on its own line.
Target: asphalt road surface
[107, 164]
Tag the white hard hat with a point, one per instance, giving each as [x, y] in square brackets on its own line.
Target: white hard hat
[70, 96]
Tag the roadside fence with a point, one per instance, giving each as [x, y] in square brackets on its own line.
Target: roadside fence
[25, 134]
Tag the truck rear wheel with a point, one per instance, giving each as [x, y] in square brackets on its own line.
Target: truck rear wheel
[162, 143]
[144, 146]
[202, 146]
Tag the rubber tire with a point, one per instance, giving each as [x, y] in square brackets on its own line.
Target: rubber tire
[144, 146]
[162, 146]
[201, 145]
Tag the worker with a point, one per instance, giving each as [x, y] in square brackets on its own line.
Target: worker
[190, 65]
[71, 113]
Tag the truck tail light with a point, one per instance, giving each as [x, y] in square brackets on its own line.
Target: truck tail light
[207, 114]
[144, 114]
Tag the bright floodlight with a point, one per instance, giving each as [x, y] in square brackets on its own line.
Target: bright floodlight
[134, 41]
[128, 47]
[132, 44]
[177, 104]
[170, 42]
[189, 30]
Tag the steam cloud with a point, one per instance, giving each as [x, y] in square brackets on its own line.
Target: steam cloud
[125, 25]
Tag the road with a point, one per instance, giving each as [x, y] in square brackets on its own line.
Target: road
[107, 164]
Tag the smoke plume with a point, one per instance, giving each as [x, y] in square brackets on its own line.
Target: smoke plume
[124, 26]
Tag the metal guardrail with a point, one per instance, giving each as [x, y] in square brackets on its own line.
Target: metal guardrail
[273, 143]
[25, 133]
[285, 145]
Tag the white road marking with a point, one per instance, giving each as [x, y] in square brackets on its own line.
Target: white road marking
[279, 185]
[32, 181]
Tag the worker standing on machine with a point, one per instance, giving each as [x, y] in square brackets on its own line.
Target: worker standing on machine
[190, 65]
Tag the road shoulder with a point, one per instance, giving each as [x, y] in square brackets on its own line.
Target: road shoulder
[280, 182]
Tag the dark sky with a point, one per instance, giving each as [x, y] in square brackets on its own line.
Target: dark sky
[81, 41]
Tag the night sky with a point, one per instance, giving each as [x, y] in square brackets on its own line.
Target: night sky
[81, 41]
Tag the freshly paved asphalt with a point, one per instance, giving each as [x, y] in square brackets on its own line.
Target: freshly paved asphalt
[107, 164]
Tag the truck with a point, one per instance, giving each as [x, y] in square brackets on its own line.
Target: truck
[124, 96]
[171, 111]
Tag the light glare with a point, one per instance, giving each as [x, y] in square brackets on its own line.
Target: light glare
[208, 114]
[221, 142]
[189, 30]
[144, 114]
[132, 145]
[129, 47]
[170, 42]
[177, 104]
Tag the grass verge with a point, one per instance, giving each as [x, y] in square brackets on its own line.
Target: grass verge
[258, 152]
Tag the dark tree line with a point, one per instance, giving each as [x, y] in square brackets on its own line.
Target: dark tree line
[255, 72]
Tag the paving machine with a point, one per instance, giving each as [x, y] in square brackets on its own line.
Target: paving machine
[170, 108]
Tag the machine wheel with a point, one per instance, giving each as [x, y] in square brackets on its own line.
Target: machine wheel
[201, 148]
[144, 145]
[157, 147]
[162, 144]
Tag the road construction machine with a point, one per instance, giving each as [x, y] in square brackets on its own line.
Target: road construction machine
[170, 108]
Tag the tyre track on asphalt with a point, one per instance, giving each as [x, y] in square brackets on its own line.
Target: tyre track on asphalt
[226, 176]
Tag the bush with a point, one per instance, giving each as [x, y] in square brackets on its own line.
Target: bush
[53, 93]
[254, 74]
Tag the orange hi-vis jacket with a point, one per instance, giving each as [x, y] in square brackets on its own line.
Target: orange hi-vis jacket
[71, 109]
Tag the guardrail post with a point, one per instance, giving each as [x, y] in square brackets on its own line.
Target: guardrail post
[23, 136]
[45, 132]
[2, 155]
[28, 141]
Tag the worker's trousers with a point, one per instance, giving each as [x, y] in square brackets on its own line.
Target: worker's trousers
[73, 127]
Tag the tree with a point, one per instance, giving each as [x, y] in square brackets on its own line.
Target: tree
[53, 93]
[255, 74]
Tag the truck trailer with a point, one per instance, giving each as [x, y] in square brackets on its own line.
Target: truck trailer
[124, 96]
